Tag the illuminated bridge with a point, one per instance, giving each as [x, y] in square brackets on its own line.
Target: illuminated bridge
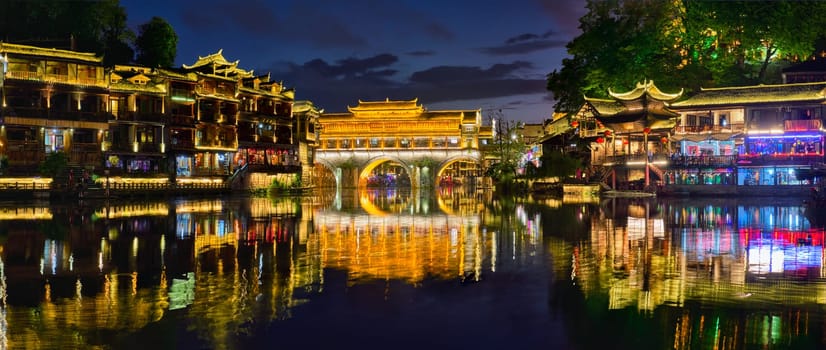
[400, 143]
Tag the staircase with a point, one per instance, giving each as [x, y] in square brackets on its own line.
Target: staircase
[236, 181]
[657, 171]
[601, 176]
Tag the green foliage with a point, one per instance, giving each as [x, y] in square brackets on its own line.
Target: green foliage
[556, 164]
[95, 26]
[350, 163]
[425, 162]
[291, 183]
[508, 149]
[683, 44]
[55, 163]
[157, 43]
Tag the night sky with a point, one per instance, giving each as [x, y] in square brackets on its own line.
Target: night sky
[451, 54]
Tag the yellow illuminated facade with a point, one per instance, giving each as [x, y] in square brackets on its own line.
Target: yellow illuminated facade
[207, 120]
[422, 142]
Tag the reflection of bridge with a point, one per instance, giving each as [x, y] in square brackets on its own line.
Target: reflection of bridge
[424, 143]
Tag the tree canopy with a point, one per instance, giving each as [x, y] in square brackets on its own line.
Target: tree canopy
[156, 43]
[508, 148]
[683, 44]
[93, 26]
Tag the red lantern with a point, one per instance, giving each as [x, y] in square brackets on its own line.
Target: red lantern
[646, 131]
[600, 140]
[664, 139]
[574, 124]
[625, 141]
[607, 133]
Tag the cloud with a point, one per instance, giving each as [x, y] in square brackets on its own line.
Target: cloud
[447, 74]
[522, 47]
[334, 86]
[521, 38]
[421, 53]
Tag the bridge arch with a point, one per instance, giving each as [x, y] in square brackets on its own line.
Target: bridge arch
[461, 158]
[375, 162]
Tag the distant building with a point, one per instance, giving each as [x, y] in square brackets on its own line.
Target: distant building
[808, 71]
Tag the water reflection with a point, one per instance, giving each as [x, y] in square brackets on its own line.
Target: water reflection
[101, 274]
[710, 273]
[222, 272]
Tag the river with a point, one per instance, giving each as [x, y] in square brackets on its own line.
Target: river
[400, 269]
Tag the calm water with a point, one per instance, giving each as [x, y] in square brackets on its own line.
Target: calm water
[394, 269]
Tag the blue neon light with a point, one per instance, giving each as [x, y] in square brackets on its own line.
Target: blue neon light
[785, 137]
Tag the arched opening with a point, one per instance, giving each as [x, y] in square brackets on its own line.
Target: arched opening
[385, 173]
[459, 172]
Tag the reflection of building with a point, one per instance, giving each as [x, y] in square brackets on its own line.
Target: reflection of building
[695, 263]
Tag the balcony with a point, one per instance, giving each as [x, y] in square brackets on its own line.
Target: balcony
[802, 125]
[22, 75]
[181, 120]
[54, 78]
[141, 117]
[54, 114]
[181, 144]
[633, 161]
[779, 159]
[681, 161]
[182, 95]
[694, 129]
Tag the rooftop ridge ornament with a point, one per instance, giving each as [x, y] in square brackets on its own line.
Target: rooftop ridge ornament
[646, 87]
[399, 106]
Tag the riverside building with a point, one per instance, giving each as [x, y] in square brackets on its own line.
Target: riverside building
[765, 139]
[210, 122]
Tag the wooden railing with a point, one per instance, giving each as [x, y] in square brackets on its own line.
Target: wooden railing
[779, 159]
[22, 75]
[682, 129]
[802, 125]
[702, 161]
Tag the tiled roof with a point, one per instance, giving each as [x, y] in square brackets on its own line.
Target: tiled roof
[803, 92]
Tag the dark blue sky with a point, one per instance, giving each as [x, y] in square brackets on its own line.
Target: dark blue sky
[451, 54]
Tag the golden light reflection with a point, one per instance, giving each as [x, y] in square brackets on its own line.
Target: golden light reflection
[25, 213]
[402, 247]
[225, 277]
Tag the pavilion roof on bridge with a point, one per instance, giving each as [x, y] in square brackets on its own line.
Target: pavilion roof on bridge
[643, 107]
[387, 107]
[396, 118]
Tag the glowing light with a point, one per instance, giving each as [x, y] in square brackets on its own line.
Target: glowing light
[783, 137]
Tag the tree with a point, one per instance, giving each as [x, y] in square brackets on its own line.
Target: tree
[683, 44]
[157, 43]
[115, 35]
[93, 26]
[508, 148]
[54, 163]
